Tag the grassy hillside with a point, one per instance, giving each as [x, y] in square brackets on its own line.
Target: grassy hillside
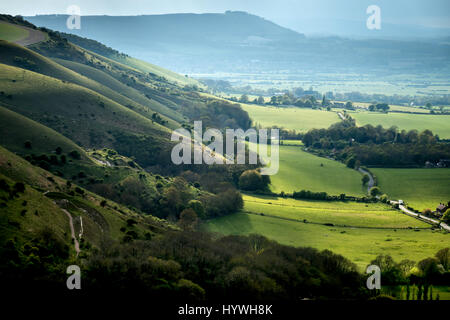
[125, 95]
[86, 117]
[436, 123]
[103, 171]
[146, 67]
[40, 206]
[301, 170]
[12, 32]
[420, 188]
[298, 119]
[95, 80]
[16, 130]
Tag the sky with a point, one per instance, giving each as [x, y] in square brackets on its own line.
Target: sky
[288, 13]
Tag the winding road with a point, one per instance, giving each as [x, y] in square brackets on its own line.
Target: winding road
[405, 210]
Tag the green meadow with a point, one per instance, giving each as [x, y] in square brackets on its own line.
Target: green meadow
[439, 124]
[299, 119]
[360, 245]
[301, 170]
[373, 215]
[420, 188]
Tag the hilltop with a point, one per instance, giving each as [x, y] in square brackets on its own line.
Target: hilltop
[240, 42]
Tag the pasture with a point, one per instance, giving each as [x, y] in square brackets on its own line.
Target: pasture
[373, 215]
[438, 124]
[420, 188]
[299, 119]
[301, 170]
[360, 245]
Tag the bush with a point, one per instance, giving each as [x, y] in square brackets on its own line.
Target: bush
[374, 191]
[197, 206]
[251, 180]
[75, 155]
[446, 216]
[384, 198]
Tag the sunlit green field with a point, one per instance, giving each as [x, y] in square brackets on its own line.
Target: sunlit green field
[359, 245]
[420, 188]
[439, 124]
[299, 119]
[374, 215]
[10, 32]
[301, 170]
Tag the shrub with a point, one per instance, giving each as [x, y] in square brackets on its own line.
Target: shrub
[75, 155]
[384, 198]
[374, 191]
[251, 180]
[197, 206]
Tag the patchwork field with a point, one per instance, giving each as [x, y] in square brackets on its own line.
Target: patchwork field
[360, 245]
[301, 170]
[439, 124]
[299, 119]
[420, 188]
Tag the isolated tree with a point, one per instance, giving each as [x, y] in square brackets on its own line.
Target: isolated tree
[251, 180]
[197, 206]
[260, 100]
[351, 162]
[446, 216]
[374, 191]
[429, 267]
[188, 219]
[443, 257]
[244, 98]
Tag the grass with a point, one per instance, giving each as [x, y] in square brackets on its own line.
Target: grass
[374, 215]
[301, 170]
[16, 129]
[86, 77]
[420, 188]
[83, 116]
[147, 67]
[292, 142]
[359, 245]
[439, 124]
[11, 32]
[123, 94]
[299, 119]
[97, 220]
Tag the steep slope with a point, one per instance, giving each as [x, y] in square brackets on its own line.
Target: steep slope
[86, 117]
[22, 57]
[40, 202]
[22, 135]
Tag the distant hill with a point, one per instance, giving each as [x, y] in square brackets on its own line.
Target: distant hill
[244, 43]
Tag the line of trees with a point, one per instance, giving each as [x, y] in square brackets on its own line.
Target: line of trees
[371, 145]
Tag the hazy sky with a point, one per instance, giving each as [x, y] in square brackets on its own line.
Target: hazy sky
[431, 13]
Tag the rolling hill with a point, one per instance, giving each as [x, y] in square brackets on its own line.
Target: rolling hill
[240, 42]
